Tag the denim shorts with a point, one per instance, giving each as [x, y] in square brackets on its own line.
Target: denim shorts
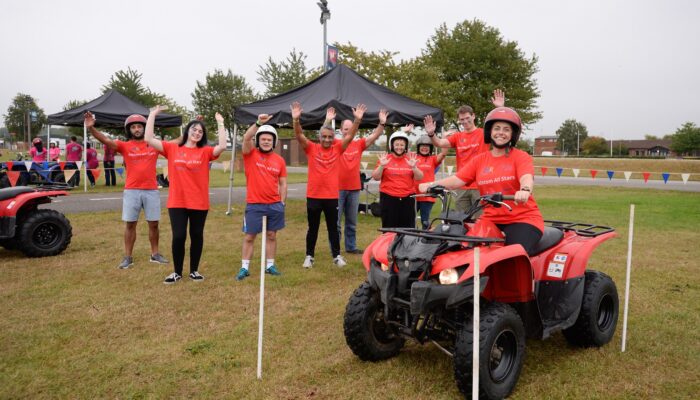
[136, 199]
[252, 221]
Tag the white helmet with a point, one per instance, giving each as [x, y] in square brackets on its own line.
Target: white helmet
[266, 129]
[398, 135]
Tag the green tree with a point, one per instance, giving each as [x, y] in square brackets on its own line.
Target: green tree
[129, 84]
[221, 92]
[472, 60]
[74, 130]
[18, 117]
[686, 140]
[525, 145]
[594, 146]
[375, 66]
[570, 134]
[650, 137]
[279, 77]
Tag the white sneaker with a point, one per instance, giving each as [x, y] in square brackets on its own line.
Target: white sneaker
[339, 261]
[308, 262]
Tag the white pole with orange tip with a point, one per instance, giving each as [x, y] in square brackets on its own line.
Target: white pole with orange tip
[262, 295]
[475, 340]
[627, 278]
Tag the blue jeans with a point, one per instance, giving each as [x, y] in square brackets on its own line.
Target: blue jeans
[425, 207]
[348, 203]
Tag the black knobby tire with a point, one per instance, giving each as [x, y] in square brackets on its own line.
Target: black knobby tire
[501, 352]
[44, 233]
[366, 332]
[600, 309]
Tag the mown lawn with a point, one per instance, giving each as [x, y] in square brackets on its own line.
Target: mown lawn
[74, 326]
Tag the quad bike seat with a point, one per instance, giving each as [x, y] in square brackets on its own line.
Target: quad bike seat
[551, 237]
[10, 192]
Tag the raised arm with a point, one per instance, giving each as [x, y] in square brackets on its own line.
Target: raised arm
[90, 124]
[330, 116]
[369, 140]
[298, 132]
[429, 125]
[443, 153]
[358, 112]
[412, 160]
[150, 136]
[221, 131]
[383, 161]
[249, 136]
[499, 98]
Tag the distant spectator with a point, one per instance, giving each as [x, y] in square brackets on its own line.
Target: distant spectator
[54, 152]
[108, 162]
[38, 152]
[92, 163]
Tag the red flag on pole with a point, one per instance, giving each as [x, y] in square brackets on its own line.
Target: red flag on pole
[594, 172]
[544, 170]
[646, 176]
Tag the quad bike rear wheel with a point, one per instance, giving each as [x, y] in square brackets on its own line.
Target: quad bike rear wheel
[366, 332]
[600, 309]
[501, 352]
[44, 233]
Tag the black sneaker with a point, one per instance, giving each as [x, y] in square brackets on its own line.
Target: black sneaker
[196, 276]
[172, 278]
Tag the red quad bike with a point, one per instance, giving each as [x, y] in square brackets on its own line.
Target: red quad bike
[23, 226]
[420, 286]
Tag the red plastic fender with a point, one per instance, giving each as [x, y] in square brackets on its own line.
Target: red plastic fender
[10, 207]
[378, 249]
[569, 258]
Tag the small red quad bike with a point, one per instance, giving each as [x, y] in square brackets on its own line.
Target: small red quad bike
[420, 286]
[23, 226]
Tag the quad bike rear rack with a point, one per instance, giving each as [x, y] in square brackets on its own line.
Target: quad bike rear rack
[581, 229]
[440, 236]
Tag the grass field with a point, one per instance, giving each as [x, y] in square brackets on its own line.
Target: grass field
[75, 326]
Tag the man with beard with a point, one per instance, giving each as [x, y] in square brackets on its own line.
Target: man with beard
[322, 187]
[266, 191]
[141, 187]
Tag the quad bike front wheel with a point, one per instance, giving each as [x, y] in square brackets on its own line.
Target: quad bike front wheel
[44, 233]
[366, 332]
[600, 309]
[501, 352]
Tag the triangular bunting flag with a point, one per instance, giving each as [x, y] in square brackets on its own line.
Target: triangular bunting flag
[364, 164]
[685, 178]
[120, 171]
[61, 165]
[165, 171]
[576, 171]
[665, 175]
[79, 164]
[9, 165]
[449, 169]
[544, 170]
[45, 165]
[96, 173]
[13, 176]
[627, 175]
[646, 176]
[610, 174]
[559, 171]
[68, 174]
[28, 165]
[594, 172]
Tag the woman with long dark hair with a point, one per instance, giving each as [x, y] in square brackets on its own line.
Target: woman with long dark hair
[188, 195]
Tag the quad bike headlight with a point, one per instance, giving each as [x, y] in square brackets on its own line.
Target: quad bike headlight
[449, 276]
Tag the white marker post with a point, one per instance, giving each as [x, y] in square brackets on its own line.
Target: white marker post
[262, 295]
[627, 279]
[475, 340]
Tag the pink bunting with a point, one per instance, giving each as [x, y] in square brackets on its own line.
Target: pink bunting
[594, 172]
[646, 176]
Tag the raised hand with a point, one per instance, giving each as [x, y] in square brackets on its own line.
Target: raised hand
[199, 117]
[499, 98]
[263, 118]
[296, 110]
[383, 159]
[408, 128]
[89, 119]
[382, 116]
[158, 109]
[412, 159]
[330, 114]
[219, 118]
[429, 125]
[359, 111]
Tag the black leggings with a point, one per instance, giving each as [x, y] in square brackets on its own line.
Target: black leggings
[397, 212]
[178, 223]
[110, 175]
[329, 208]
[524, 234]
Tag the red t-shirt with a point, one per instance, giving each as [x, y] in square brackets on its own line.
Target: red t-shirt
[74, 152]
[324, 165]
[262, 173]
[140, 161]
[427, 165]
[502, 174]
[467, 145]
[349, 178]
[109, 154]
[397, 177]
[188, 173]
[36, 156]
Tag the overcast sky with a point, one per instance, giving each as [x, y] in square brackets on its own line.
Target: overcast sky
[623, 68]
